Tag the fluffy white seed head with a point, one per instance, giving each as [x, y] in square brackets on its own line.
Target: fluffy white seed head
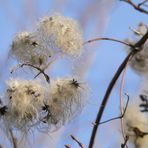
[140, 61]
[67, 98]
[60, 34]
[134, 123]
[142, 142]
[27, 49]
[25, 100]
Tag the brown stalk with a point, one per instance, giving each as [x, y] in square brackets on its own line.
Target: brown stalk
[135, 49]
[41, 71]
[109, 39]
[67, 146]
[138, 6]
[77, 141]
[119, 117]
[14, 140]
[125, 142]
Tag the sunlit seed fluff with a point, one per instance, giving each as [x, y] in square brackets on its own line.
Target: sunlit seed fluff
[25, 100]
[27, 49]
[134, 119]
[61, 34]
[67, 98]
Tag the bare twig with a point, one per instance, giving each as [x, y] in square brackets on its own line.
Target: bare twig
[142, 3]
[67, 146]
[105, 99]
[137, 7]
[14, 140]
[125, 142]
[119, 117]
[136, 48]
[121, 99]
[77, 141]
[41, 71]
[109, 39]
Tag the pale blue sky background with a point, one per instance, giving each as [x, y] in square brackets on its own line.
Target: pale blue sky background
[20, 15]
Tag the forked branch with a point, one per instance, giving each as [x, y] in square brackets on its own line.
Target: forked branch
[137, 6]
[137, 47]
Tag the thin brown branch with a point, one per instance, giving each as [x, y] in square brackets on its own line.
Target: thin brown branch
[142, 3]
[136, 48]
[137, 7]
[41, 71]
[121, 99]
[119, 117]
[109, 39]
[105, 99]
[67, 146]
[14, 140]
[125, 142]
[77, 141]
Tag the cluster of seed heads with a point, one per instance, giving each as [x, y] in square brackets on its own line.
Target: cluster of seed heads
[54, 35]
[29, 103]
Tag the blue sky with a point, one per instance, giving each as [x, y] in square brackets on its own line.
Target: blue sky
[16, 15]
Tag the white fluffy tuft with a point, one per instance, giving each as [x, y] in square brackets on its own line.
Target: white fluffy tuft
[66, 99]
[25, 100]
[27, 49]
[60, 34]
[136, 122]
[140, 61]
